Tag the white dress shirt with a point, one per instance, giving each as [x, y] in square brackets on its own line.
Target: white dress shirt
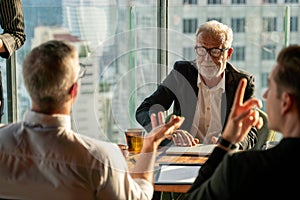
[42, 158]
[207, 119]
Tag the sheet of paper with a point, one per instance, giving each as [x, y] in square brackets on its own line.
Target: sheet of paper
[200, 150]
[178, 174]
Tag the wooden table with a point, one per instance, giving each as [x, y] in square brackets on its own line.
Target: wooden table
[172, 188]
[176, 159]
[162, 158]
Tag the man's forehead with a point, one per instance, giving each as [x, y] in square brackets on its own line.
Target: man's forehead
[209, 40]
[275, 69]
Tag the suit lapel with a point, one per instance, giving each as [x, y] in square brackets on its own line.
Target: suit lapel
[229, 90]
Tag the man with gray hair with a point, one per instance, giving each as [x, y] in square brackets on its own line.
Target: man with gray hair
[201, 90]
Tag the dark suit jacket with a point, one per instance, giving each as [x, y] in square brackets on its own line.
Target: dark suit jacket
[254, 174]
[180, 87]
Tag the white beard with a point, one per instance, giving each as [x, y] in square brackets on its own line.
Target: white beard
[209, 70]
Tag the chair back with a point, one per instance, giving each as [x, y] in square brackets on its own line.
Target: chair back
[264, 133]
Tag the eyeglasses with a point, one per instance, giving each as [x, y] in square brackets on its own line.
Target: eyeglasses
[82, 71]
[214, 52]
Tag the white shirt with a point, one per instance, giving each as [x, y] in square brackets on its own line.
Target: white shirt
[42, 158]
[207, 119]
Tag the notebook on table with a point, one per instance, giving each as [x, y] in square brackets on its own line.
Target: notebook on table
[177, 174]
[198, 150]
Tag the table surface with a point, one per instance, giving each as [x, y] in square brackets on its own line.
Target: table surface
[163, 158]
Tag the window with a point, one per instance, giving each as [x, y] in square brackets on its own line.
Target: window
[270, 1]
[269, 24]
[121, 41]
[238, 1]
[190, 25]
[189, 1]
[238, 54]
[291, 1]
[145, 21]
[219, 19]
[238, 25]
[268, 52]
[294, 24]
[264, 79]
[214, 1]
[188, 53]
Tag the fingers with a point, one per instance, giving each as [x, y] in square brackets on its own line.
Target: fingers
[153, 120]
[214, 139]
[196, 141]
[239, 97]
[252, 103]
[239, 94]
[172, 126]
[161, 118]
[243, 115]
[183, 138]
[160, 132]
[257, 120]
[175, 121]
[260, 123]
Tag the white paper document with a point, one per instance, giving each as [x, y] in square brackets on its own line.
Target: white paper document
[177, 174]
[199, 149]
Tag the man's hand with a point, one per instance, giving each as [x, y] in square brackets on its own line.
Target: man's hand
[144, 167]
[184, 138]
[242, 116]
[2, 48]
[161, 130]
[179, 137]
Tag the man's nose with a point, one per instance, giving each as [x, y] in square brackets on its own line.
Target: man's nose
[207, 56]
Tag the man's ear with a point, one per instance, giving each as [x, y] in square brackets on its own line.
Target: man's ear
[74, 90]
[287, 102]
[230, 51]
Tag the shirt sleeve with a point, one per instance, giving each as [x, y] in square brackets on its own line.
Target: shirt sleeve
[211, 182]
[116, 181]
[12, 23]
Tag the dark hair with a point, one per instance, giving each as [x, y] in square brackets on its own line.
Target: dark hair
[287, 76]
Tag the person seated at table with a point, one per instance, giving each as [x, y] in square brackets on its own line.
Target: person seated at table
[260, 174]
[41, 157]
[201, 90]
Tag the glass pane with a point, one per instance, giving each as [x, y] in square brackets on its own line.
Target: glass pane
[258, 33]
[117, 40]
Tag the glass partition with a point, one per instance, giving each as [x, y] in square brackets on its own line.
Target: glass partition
[117, 40]
[121, 43]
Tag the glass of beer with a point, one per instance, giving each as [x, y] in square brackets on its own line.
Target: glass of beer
[134, 138]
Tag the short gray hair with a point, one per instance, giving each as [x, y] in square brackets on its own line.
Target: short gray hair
[217, 30]
[48, 73]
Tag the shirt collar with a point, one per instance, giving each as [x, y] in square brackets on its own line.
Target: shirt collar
[35, 119]
[220, 85]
